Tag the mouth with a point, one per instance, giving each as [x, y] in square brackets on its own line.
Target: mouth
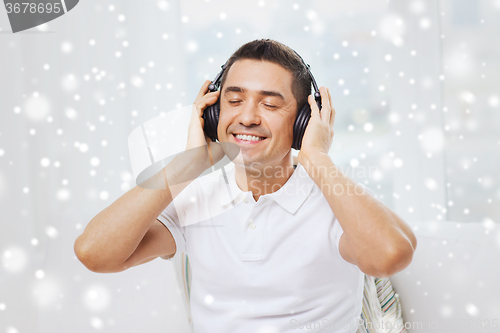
[248, 139]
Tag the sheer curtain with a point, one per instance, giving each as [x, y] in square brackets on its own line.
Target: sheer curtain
[72, 90]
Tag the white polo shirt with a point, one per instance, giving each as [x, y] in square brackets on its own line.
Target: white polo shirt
[266, 266]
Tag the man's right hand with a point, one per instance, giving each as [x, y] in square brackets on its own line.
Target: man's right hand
[200, 154]
[196, 134]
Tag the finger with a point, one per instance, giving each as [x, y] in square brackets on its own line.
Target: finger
[206, 100]
[203, 90]
[314, 106]
[325, 105]
[332, 118]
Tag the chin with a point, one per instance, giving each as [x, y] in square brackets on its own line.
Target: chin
[243, 161]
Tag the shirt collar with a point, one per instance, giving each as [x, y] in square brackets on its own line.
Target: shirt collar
[290, 196]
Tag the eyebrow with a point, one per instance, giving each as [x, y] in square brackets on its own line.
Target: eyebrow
[261, 92]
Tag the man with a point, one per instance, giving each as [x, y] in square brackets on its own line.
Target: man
[288, 249]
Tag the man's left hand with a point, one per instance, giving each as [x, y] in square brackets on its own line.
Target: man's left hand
[318, 136]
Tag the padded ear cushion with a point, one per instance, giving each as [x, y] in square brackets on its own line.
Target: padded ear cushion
[211, 119]
[299, 127]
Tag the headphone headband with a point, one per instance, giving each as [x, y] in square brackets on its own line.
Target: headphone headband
[315, 86]
[215, 83]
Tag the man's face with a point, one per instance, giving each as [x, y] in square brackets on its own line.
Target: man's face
[257, 100]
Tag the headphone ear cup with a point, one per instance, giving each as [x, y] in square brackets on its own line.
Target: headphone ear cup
[299, 127]
[211, 119]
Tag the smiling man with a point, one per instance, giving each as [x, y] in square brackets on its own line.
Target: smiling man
[289, 247]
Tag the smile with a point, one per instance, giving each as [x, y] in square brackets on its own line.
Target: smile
[248, 138]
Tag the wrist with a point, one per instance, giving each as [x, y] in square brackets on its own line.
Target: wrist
[311, 159]
[316, 165]
[188, 165]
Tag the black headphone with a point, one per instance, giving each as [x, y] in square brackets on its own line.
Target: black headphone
[211, 112]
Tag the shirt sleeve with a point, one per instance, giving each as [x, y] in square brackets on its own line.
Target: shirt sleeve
[170, 219]
[337, 228]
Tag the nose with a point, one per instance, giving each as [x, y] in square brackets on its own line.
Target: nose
[249, 115]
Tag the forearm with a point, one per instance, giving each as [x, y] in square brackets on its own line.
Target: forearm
[377, 237]
[114, 234]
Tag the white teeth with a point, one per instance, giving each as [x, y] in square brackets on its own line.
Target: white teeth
[248, 137]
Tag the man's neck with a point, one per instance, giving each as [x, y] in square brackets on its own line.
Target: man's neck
[264, 179]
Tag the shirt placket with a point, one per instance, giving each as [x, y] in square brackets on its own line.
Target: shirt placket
[253, 230]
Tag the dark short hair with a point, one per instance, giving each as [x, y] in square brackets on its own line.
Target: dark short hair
[278, 53]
